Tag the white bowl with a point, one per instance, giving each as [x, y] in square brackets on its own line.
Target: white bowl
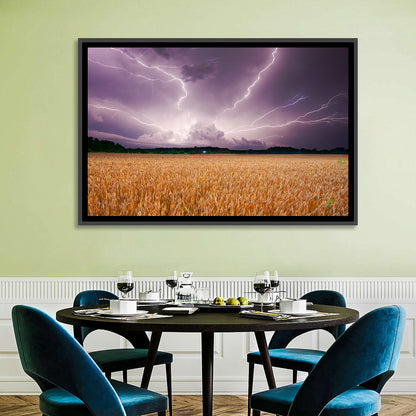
[295, 306]
[123, 306]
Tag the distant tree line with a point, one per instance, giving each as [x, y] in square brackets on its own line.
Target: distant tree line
[106, 146]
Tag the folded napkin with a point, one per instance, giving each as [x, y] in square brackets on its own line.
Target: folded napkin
[279, 316]
[135, 317]
[96, 314]
[86, 312]
[266, 315]
[178, 310]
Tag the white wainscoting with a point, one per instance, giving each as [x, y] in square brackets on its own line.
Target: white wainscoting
[230, 367]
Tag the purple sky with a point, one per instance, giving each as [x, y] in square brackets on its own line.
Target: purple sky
[238, 98]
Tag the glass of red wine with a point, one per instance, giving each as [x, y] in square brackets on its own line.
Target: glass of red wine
[274, 280]
[274, 283]
[262, 285]
[125, 283]
[172, 282]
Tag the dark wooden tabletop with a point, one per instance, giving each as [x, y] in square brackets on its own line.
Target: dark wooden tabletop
[212, 322]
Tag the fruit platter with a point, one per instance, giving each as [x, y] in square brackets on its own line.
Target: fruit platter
[228, 305]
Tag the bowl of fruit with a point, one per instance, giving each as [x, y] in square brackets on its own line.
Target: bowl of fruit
[226, 305]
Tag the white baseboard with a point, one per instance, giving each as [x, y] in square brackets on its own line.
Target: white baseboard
[230, 367]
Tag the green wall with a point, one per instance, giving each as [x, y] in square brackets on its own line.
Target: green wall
[39, 235]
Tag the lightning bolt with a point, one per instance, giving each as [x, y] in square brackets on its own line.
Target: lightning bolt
[296, 99]
[299, 120]
[326, 105]
[249, 88]
[161, 70]
[327, 119]
[131, 73]
[151, 124]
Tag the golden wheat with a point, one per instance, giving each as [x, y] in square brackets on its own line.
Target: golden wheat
[217, 185]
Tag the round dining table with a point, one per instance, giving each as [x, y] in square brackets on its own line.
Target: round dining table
[207, 324]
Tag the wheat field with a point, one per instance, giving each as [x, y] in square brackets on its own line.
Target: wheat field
[217, 185]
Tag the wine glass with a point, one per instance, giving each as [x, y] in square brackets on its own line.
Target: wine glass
[262, 285]
[172, 282]
[274, 280]
[125, 283]
[274, 283]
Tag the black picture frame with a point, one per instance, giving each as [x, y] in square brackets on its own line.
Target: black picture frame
[348, 46]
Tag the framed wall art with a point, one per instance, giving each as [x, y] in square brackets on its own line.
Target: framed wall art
[194, 131]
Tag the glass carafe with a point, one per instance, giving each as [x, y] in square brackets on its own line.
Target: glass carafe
[186, 292]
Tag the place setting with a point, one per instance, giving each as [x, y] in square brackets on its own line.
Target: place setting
[125, 308]
[278, 308]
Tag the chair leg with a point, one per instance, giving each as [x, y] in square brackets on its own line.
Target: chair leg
[295, 376]
[250, 384]
[108, 375]
[124, 376]
[161, 413]
[169, 384]
[256, 412]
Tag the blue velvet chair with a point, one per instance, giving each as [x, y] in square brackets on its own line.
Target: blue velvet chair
[297, 359]
[71, 383]
[121, 359]
[348, 379]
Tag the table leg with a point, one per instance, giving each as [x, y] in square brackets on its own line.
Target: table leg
[151, 356]
[265, 358]
[207, 340]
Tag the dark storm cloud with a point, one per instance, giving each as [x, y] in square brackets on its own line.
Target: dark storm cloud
[249, 97]
[195, 72]
[330, 137]
[163, 52]
[207, 135]
[243, 144]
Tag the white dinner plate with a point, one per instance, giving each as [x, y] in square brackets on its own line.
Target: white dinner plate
[109, 313]
[309, 312]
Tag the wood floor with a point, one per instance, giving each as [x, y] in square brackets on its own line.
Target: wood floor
[191, 406]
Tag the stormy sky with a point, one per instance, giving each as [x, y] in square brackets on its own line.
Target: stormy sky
[237, 98]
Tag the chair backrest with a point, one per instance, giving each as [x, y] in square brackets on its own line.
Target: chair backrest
[101, 297]
[367, 351]
[53, 358]
[281, 339]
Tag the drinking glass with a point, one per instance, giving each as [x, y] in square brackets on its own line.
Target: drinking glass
[274, 283]
[172, 282]
[125, 282]
[262, 285]
[274, 280]
[202, 295]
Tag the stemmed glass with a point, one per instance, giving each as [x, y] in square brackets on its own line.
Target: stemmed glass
[274, 280]
[274, 283]
[172, 282]
[125, 283]
[262, 285]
